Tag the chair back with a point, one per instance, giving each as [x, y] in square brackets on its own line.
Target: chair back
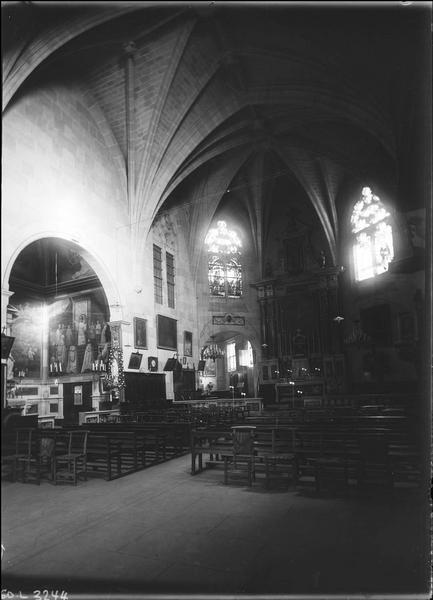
[46, 448]
[77, 443]
[26, 441]
[243, 439]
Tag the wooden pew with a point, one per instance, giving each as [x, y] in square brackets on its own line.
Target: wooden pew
[214, 443]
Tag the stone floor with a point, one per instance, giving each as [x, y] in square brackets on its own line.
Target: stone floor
[162, 531]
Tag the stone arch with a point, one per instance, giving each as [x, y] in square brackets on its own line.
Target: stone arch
[114, 299]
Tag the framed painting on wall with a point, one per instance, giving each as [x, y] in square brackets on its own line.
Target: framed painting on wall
[135, 360]
[166, 332]
[152, 363]
[140, 333]
[81, 308]
[104, 385]
[78, 395]
[210, 368]
[187, 343]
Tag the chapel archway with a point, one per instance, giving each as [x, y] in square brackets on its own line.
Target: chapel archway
[59, 315]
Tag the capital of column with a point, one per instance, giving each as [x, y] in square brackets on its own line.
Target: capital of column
[6, 294]
[129, 49]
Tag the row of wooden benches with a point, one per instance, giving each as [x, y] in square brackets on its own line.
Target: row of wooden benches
[309, 448]
[111, 450]
[195, 416]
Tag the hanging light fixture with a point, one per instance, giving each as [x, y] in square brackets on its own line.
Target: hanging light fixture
[212, 350]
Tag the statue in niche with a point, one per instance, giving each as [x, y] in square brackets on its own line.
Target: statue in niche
[82, 330]
[92, 332]
[104, 353]
[61, 355]
[105, 333]
[98, 328]
[72, 364]
[68, 336]
[88, 358]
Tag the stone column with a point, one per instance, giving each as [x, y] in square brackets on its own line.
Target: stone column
[6, 294]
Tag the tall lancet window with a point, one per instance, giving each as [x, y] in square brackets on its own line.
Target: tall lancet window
[225, 271]
[372, 236]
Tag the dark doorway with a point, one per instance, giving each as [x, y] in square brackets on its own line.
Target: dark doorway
[77, 397]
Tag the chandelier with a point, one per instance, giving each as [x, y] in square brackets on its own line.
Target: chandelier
[212, 350]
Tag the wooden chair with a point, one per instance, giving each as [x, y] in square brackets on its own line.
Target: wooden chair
[26, 451]
[241, 461]
[69, 466]
[309, 448]
[281, 462]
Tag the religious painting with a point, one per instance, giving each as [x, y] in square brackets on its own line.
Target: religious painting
[152, 363]
[80, 311]
[135, 360]
[78, 395]
[25, 354]
[166, 332]
[80, 314]
[187, 343]
[140, 333]
[72, 266]
[104, 385]
[210, 368]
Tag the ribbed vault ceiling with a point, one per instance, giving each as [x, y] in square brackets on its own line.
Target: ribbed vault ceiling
[226, 92]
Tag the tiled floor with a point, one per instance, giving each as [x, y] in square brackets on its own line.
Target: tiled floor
[162, 531]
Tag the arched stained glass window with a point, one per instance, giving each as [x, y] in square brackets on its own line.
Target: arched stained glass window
[373, 248]
[225, 272]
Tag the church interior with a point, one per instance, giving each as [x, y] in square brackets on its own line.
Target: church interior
[216, 299]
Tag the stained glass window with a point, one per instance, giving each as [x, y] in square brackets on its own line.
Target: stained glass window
[373, 243]
[225, 272]
[231, 357]
[169, 259]
[157, 273]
